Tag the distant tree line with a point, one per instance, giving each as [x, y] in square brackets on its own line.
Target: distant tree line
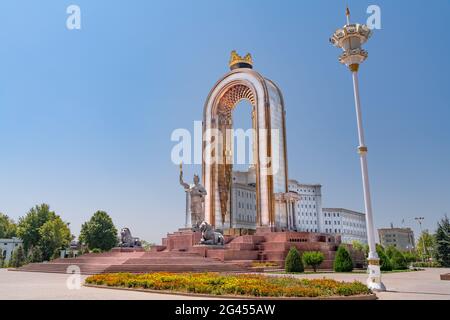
[45, 234]
[434, 249]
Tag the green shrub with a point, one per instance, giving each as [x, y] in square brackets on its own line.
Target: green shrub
[18, 258]
[96, 250]
[293, 262]
[410, 257]
[35, 255]
[431, 264]
[398, 261]
[385, 263]
[313, 259]
[343, 261]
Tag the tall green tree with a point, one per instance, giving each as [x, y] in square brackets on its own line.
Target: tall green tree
[426, 245]
[54, 236]
[8, 228]
[443, 242]
[99, 232]
[29, 225]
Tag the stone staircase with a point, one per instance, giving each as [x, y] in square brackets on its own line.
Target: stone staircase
[180, 252]
[136, 262]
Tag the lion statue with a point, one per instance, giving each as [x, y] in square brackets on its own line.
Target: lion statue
[209, 236]
[127, 240]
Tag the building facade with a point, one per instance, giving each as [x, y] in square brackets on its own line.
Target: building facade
[401, 238]
[7, 247]
[309, 207]
[350, 225]
[243, 200]
[306, 214]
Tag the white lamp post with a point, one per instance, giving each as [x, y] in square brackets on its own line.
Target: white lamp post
[419, 220]
[350, 38]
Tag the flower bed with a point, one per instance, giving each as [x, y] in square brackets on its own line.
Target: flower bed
[231, 285]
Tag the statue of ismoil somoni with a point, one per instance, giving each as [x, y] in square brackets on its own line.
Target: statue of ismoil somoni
[195, 198]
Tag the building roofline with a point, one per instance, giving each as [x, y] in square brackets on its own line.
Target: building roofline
[343, 209]
[408, 229]
[305, 184]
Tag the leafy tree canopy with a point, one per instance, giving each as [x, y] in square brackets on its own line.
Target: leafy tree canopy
[8, 228]
[99, 232]
[54, 236]
[426, 245]
[29, 225]
[313, 259]
[43, 229]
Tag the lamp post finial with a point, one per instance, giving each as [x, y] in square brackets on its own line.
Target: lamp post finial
[347, 14]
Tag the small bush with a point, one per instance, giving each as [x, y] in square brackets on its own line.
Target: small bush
[431, 264]
[293, 262]
[35, 255]
[343, 261]
[398, 261]
[96, 250]
[18, 258]
[313, 259]
[410, 257]
[385, 263]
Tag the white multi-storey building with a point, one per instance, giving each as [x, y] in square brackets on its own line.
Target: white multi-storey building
[308, 213]
[243, 199]
[308, 209]
[351, 225]
[7, 247]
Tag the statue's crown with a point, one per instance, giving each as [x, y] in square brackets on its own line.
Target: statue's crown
[236, 61]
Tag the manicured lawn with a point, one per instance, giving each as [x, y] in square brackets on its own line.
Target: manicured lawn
[231, 285]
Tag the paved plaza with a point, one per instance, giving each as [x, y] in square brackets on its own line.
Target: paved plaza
[30, 285]
[418, 285]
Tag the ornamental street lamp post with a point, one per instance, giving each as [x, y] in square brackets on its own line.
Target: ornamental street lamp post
[419, 220]
[350, 38]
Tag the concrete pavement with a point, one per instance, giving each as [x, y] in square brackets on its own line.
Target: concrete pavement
[417, 285]
[30, 285]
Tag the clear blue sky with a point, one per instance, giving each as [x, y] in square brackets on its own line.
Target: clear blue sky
[86, 115]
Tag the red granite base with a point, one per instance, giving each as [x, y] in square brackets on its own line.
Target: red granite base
[266, 245]
[180, 252]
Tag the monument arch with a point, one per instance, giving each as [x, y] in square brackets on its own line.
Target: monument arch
[269, 146]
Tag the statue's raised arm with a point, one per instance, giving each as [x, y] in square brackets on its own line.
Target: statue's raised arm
[185, 185]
